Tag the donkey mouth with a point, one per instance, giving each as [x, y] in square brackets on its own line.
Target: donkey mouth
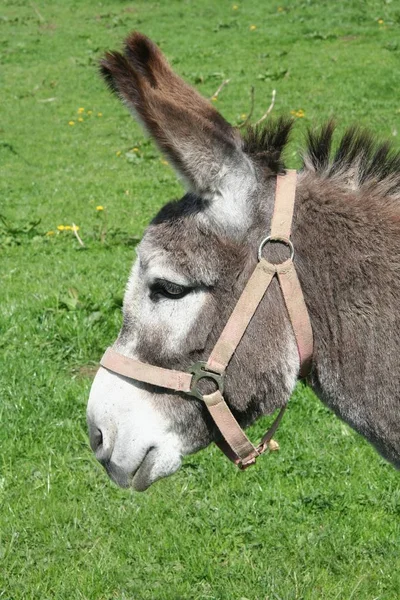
[141, 478]
[126, 479]
[153, 466]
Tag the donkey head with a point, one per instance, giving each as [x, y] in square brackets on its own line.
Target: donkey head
[192, 265]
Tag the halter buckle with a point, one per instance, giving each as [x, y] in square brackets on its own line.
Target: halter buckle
[200, 371]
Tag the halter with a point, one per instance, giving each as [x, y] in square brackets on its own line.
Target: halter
[236, 444]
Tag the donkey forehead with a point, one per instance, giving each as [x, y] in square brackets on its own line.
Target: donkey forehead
[184, 251]
[160, 260]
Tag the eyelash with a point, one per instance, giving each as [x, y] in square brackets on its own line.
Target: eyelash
[168, 289]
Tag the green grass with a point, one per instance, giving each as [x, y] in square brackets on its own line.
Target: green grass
[318, 520]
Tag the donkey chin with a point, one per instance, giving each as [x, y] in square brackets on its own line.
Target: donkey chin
[129, 436]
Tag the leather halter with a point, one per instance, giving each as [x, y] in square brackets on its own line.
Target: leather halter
[236, 444]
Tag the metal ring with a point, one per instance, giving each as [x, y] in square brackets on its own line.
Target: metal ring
[287, 243]
[199, 371]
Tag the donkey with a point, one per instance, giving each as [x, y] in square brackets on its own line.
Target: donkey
[198, 253]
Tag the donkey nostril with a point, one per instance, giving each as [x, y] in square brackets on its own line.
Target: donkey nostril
[101, 444]
[96, 439]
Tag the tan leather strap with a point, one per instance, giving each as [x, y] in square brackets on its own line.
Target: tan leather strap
[135, 369]
[249, 456]
[243, 450]
[241, 316]
[281, 224]
[298, 314]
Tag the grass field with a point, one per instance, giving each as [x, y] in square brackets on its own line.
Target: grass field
[318, 520]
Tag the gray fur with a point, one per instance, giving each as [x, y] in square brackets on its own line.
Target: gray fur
[346, 232]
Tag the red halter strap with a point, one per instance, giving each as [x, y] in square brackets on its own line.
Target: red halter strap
[236, 444]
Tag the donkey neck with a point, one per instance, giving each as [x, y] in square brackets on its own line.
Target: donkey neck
[348, 260]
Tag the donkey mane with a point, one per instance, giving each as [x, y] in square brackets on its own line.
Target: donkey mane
[266, 143]
[359, 156]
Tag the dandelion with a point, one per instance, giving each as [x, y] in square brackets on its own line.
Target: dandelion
[235, 7]
[298, 113]
[99, 208]
[67, 228]
[50, 233]
[164, 162]
[80, 119]
[253, 27]
[280, 9]
[99, 114]
[381, 21]
[214, 99]
[118, 153]
[243, 116]
[71, 122]
[89, 112]
[80, 111]
[75, 228]
[60, 227]
[135, 149]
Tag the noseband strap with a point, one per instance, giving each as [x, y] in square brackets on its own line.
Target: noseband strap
[235, 444]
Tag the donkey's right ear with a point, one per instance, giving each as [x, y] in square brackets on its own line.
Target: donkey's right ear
[203, 147]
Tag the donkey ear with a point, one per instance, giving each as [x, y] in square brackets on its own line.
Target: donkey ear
[203, 147]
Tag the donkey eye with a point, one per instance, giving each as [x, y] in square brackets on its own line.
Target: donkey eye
[168, 289]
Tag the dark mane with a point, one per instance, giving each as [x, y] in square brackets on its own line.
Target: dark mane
[267, 142]
[359, 156]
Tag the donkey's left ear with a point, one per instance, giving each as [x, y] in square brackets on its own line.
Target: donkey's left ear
[204, 148]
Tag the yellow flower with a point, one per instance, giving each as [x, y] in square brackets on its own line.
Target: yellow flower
[280, 9]
[68, 228]
[235, 7]
[214, 99]
[71, 122]
[164, 162]
[243, 116]
[99, 114]
[89, 112]
[60, 227]
[298, 113]
[135, 149]
[381, 21]
[75, 228]
[253, 27]
[118, 153]
[100, 207]
[80, 111]
[80, 119]
[50, 233]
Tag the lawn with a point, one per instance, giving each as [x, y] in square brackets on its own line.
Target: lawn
[318, 520]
